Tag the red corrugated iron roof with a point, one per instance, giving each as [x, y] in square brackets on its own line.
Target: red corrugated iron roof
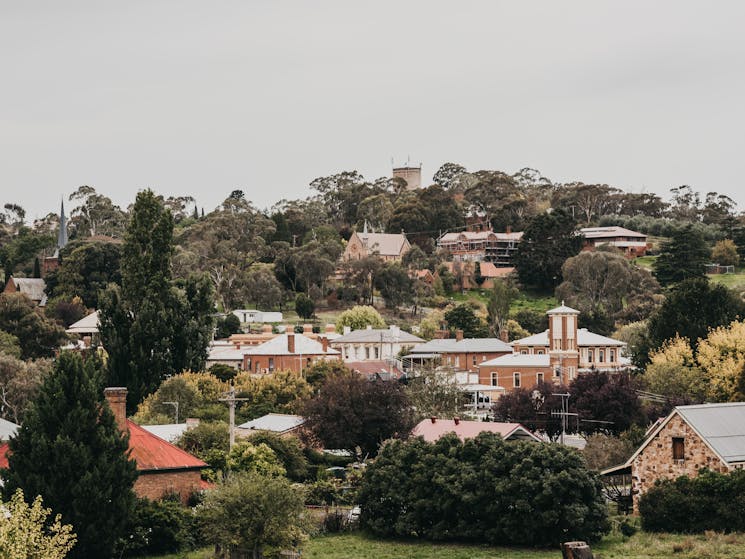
[431, 431]
[153, 453]
[149, 451]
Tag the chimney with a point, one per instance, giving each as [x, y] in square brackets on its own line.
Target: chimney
[192, 422]
[325, 344]
[457, 420]
[433, 419]
[291, 343]
[266, 329]
[307, 329]
[347, 330]
[508, 229]
[330, 328]
[459, 335]
[117, 400]
[369, 327]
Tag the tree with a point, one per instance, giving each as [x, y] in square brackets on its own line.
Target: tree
[674, 373]
[684, 256]
[288, 451]
[9, 344]
[462, 317]
[19, 385]
[196, 393]
[359, 318]
[448, 175]
[605, 402]
[533, 408]
[395, 285]
[153, 327]
[501, 297]
[21, 248]
[548, 240]
[228, 326]
[28, 532]
[304, 306]
[261, 287]
[482, 489]
[96, 214]
[36, 334]
[600, 284]
[436, 394]
[86, 269]
[725, 253]
[78, 464]
[722, 356]
[603, 450]
[250, 512]
[691, 308]
[258, 458]
[350, 411]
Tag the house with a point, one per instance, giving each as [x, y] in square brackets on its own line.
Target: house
[280, 423]
[389, 247]
[690, 438]
[8, 429]
[287, 352]
[432, 429]
[86, 328]
[479, 246]
[33, 288]
[374, 343]
[252, 315]
[465, 273]
[162, 468]
[558, 354]
[462, 354]
[376, 369]
[171, 432]
[631, 243]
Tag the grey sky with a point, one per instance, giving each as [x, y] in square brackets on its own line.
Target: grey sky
[201, 98]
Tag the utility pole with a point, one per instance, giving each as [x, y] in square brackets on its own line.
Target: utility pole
[564, 413]
[231, 400]
[175, 405]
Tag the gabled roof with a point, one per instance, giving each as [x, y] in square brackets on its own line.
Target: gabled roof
[563, 309]
[169, 432]
[519, 360]
[489, 270]
[385, 244]
[386, 335]
[584, 338]
[33, 288]
[8, 429]
[431, 431]
[154, 454]
[278, 346]
[608, 232]
[720, 426]
[86, 325]
[275, 422]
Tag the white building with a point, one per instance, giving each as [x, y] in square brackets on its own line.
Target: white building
[374, 344]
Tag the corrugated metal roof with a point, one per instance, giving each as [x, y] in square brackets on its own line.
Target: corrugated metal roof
[7, 429]
[278, 346]
[385, 244]
[607, 232]
[87, 324]
[33, 288]
[153, 453]
[386, 335]
[722, 425]
[276, 422]
[519, 360]
[467, 345]
[469, 429]
[169, 432]
[584, 338]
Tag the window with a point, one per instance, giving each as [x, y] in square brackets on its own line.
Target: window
[495, 379]
[376, 352]
[539, 377]
[271, 363]
[516, 380]
[678, 448]
[474, 361]
[612, 355]
[523, 352]
[590, 356]
[367, 352]
[601, 356]
[539, 352]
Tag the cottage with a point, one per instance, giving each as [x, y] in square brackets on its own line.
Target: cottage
[33, 288]
[631, 243]
[462, 354]
[374, 343]
[432, 429]
[287, 352]
[690, 438]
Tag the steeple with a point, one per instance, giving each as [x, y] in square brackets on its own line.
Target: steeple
[62, 235]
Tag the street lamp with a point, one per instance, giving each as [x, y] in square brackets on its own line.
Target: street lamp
[175, 405]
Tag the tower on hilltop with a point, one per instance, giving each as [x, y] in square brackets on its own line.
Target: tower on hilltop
[412, 176]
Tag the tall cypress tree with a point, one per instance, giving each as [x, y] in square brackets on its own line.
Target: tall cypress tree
[153, 327]
[72, 453]
[683, 257]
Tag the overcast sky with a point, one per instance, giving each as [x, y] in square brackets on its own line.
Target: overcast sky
[202, 98]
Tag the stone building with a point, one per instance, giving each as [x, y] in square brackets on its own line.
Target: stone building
[389, 247]
[690, 438]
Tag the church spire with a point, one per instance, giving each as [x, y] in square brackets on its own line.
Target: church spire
[62, 235]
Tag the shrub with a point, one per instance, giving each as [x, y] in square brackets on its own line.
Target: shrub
[159, 527]
[482, 490]
[710, 501]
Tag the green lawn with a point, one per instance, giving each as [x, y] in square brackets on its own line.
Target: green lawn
[730, 280]
[640, 546]
[645, 261]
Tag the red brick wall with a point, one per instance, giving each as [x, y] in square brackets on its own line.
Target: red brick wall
[281, 362]
[528, 376]
[154, 485]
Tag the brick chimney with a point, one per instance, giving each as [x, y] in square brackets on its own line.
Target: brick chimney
[325, 343]
[459, 335]
[291, 343]
[330, 328]
[307, 329]
[117, 400]
[433, 419]
[456, 420]
[508, 229]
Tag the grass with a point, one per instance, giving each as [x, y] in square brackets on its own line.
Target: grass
[640, 546]
[730, 280]
[645, 261]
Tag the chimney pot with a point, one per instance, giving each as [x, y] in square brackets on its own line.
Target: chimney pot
[433, 419]
[457, 420]
[459, 335]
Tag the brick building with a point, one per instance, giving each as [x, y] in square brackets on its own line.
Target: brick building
[558, 354]
[690, 438]
[288, 352]
[488, 246]
[462, 354]
[631, 243]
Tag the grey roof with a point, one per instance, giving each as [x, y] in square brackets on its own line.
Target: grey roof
[169, 432]
[374, 335]
[86, 325]
[562, 309]
[519, 360]
[8, 429]
[467, 345]
[278, 346]
[276, 422]
[721, 425]
[584, 338]
[33, 288]
[385, 244]
[609, 232]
